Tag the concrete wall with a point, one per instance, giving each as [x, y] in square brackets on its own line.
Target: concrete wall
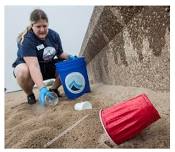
[129, 46]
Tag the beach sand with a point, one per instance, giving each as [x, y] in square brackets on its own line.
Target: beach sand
[33, 126]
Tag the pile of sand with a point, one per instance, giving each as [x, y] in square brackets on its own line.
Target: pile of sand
[31, 126]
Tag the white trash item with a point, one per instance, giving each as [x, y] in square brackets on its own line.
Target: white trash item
[83, 105]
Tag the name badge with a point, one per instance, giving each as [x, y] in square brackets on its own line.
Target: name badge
[39, 47]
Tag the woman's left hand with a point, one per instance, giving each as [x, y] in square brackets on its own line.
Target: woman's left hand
[72, 57]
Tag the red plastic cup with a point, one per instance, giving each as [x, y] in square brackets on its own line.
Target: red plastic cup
[123, 121]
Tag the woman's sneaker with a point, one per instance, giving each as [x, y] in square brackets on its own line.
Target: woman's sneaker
[56, 91]
[31, 99]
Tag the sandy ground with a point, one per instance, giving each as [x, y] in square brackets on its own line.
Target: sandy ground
[30, 126]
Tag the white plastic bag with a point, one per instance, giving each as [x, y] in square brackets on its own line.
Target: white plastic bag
[83, 105]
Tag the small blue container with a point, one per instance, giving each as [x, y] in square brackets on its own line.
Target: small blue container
[73, 76]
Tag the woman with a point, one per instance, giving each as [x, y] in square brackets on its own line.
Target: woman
[39, 48]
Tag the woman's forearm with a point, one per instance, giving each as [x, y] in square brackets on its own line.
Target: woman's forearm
[64, 55]
[36, 75]
[35, 72]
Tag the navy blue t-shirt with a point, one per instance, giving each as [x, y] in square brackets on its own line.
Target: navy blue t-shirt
[44, 50]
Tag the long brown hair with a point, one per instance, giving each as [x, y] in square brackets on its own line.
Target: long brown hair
[35, 16]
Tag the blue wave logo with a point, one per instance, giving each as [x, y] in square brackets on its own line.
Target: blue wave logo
[75, 86]
[75, 82]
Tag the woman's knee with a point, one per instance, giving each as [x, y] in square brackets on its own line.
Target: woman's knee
[22, 71]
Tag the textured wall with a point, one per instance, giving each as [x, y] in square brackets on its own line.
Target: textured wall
[129, 46]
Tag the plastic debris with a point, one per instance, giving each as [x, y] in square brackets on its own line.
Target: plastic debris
[83, 105]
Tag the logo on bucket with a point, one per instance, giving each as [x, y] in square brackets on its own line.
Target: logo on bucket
[75, 82]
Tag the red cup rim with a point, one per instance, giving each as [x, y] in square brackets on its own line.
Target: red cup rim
[105, 128]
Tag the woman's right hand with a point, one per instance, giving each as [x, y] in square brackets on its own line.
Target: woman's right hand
[42, 94]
